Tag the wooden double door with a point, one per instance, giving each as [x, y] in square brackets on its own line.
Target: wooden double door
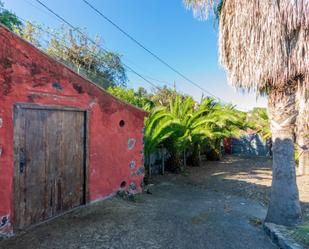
[49, 166]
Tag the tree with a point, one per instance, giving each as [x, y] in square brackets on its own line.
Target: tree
[30, 33]
[139, 98]
[259, 121]
[264, 47]
[165, 126]
[302, 131]
[228, 122]
[186, 124]
[162, 95]
[8, 18]
[75, 50]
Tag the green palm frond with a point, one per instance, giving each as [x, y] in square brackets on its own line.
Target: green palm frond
[185, 123]
[259, 121]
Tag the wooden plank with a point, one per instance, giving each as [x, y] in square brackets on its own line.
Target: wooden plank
[33, 189]
[48, 107]
[86, 198]
[19, 131]
[53, 181]
[72, 160]
[53, 134]
[29, 168]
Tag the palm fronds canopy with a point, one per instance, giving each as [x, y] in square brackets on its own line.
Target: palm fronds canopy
[262, 42]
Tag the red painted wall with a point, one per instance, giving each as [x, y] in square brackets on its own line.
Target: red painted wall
[227, 143]
[27, 76]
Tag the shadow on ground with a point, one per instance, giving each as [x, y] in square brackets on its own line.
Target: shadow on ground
[243, 176]
[218, 205]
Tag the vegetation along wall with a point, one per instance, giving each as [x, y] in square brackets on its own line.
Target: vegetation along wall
[63, 140]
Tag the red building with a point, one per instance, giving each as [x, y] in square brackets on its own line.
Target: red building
[64, 142]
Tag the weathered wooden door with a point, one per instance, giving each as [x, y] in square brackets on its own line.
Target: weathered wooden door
[49, 174]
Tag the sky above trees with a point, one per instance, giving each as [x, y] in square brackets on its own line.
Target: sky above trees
[165, 27]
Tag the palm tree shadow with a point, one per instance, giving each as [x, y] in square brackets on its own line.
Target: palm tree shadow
[248, 177]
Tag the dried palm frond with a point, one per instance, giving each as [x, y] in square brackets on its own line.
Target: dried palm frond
[200, 8]
[262, 42]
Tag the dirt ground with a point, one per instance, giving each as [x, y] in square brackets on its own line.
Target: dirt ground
[241, 176]
[218, 205]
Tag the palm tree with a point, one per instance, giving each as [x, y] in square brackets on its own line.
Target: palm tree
[164, 126]
[226, 121]
[185, 124]
[168, 126]
[259, 121]
[264, 47]
[302, 131]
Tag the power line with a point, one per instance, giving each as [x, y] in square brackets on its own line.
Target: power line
[38, 8]
[55, 36]
[48, 13]
[62, 61]
[147, 50]
[146, 73]
[104, 50]
[92, 41]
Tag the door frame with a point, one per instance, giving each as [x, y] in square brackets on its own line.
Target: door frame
[31, 106]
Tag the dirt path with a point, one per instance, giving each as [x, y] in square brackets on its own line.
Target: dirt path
[246, 177]
[210, 208]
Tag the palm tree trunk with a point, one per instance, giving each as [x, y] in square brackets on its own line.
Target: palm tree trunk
[195, 158]
[214, 153]
[284, 207]
[303, 160]
[302, 130]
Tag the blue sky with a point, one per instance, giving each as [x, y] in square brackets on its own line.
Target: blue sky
[163, 26]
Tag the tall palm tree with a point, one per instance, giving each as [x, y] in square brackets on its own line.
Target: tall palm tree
[264, 47]
[302, 131]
